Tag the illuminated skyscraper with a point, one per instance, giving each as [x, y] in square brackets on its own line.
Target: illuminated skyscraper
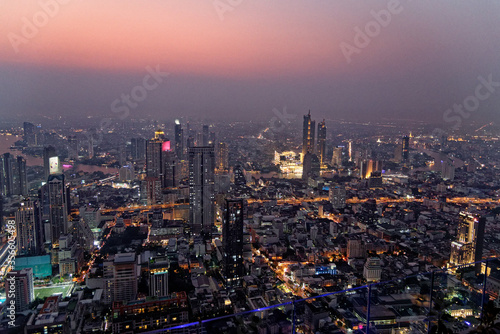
[222, 157]
[232, 241]
[154, 157]
[337, 157]
[48, 152]
[406, 150]
[29, 241]
[308, 134]
[13, 180]
[470, 237]
[201, 189]
[322, 142]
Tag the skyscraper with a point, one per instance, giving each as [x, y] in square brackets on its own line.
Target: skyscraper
[29, 241]
[138, 148]
[201, 189]
[48, 152]
[406, 150]
[311, 166]
[20, 281]
[308, 134]
[222, 157]
[158, 277]
[470, 237]
[322, 142]
[154, 161]
[29, 136]
[232, 241]
[337, 196]
[337, 157]
[205, 135]
[57, 193]
[179, 140]
[13, 180]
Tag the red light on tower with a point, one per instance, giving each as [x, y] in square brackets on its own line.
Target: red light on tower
[166, 146]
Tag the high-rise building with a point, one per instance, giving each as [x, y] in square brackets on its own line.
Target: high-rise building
[28, 229]
[29, 136]
[48, 152]
[169, 172]
[154, 156]
[355, 248]
[232, 241]
[337, 196]
[57, 194]
[470, 238]
[138, 148]
[179, 140]
[406, 150]
[201, 189]
[73, 148]
[322, 142]
[398, 153]
[311, 166]
[337, 157]
[222, 157]
[308, 135]
[20, 282]
[120, 278]
[158, 277]
[205, 136]
[13, 180]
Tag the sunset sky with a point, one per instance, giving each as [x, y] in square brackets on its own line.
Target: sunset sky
[262, 54]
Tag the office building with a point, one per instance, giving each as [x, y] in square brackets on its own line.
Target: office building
[138, 148]
[20, 282]
[337, 157]
[322, 142]
[179, 140]
[232, 241]
[222, 157]
[470, 238]
[406, 150]
[55, 193]
[48, 152]
[372, 271]
[158, 277]
[201, 189]
[29, 135]
[154, 156]
[120, 275]
[311, 166]
[28, 229]
[308, 136]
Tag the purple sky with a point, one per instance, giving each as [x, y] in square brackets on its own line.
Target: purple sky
[262, 55]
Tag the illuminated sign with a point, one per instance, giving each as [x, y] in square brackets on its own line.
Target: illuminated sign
[54, 165]
[166, 146]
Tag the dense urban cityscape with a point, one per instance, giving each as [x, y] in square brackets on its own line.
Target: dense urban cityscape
[249, 167]
[149, 225]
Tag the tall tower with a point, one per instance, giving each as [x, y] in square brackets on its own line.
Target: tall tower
[470, 237]
[308, 134]
[201, 189]
[322, 142]
[205, 135]
[232, 241]
[179, 140]
[222, 157]
[154, 159]
[29, 136]
[48, 152]
[406, 150]
[29, 234]
[57, 193]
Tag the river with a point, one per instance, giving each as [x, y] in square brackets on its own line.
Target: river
[7, 141]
